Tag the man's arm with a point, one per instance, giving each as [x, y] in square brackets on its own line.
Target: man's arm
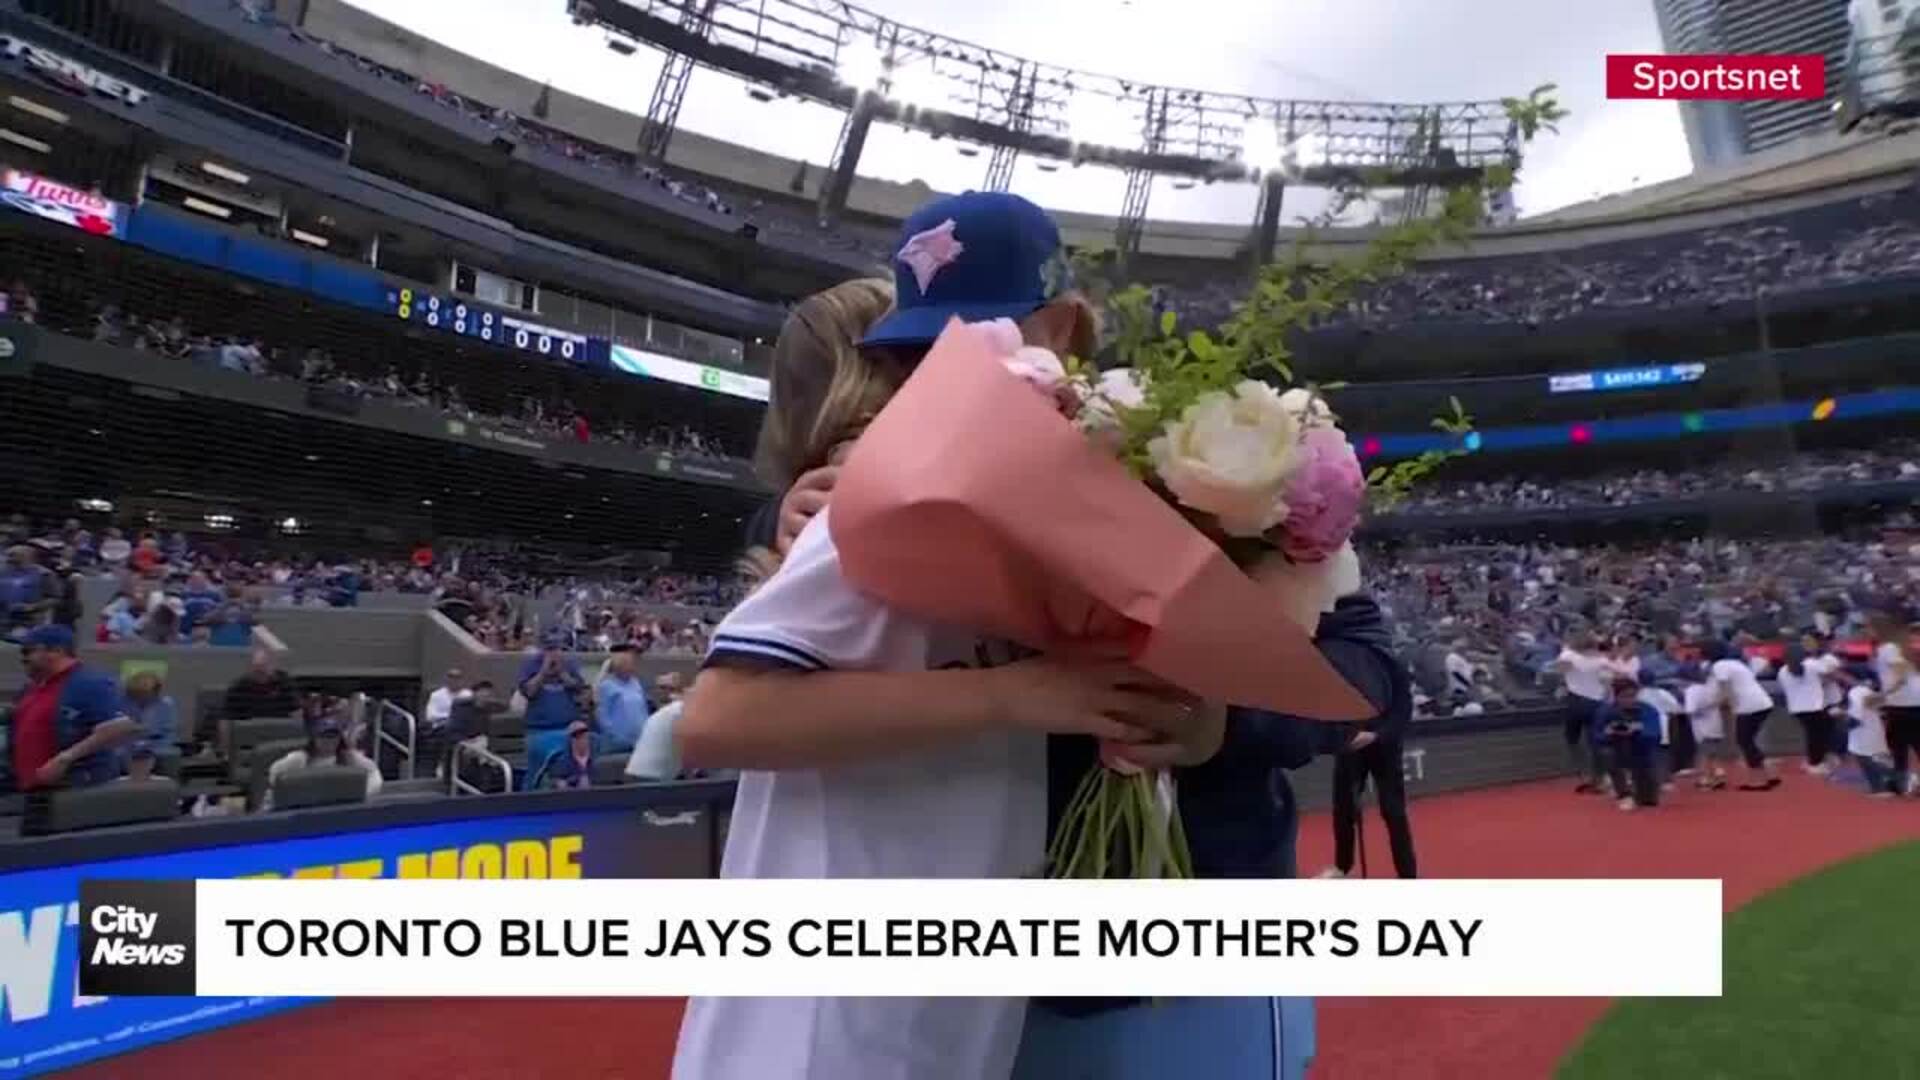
[104, 736]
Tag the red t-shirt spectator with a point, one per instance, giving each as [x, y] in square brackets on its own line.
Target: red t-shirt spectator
[146, 556]
[35, 738]
[423, 556]
[581, 432]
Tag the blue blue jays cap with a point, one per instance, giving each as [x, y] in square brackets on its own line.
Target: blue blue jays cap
[48, 637]
[982, 255]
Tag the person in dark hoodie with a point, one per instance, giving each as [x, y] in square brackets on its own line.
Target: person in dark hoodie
[1241, 822]
[1370, 751]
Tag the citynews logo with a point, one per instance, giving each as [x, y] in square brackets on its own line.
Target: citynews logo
[136, 937]
[134, 927]
[1781, 77]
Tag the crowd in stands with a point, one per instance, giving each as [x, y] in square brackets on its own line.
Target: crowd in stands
[1805, 471]
[1874, 238]
[558, 418]
[1482, 622]
[173, 590]
[403, 383]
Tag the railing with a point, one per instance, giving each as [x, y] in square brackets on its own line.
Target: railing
[406, 749]
[483, 759]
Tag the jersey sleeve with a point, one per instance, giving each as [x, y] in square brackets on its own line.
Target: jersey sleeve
[96, 701]
[807, 617]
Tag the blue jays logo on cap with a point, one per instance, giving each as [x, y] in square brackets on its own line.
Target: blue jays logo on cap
[978, 256]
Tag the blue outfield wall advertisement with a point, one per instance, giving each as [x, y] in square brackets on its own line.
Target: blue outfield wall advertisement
[47, 1025]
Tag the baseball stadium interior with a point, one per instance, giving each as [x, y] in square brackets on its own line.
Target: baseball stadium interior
[347, 379]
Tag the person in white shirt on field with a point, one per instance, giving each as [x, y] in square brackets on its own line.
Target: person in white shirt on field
[1585, 670]
[1896, 663]
[1805, 680]
[1867, 740]
[1672, 715]
[1740, 691]
[1707, 716]
[874, 744]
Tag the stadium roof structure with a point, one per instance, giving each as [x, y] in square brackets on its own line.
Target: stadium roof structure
[851, 58]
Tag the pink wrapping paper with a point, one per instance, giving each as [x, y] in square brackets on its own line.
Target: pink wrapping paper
[970, 501]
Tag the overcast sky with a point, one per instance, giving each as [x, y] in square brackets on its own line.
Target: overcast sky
[1377, 50]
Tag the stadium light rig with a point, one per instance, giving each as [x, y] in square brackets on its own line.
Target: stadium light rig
[1099, 120]
[1305, 152]
[861, 66]
[1260, 148]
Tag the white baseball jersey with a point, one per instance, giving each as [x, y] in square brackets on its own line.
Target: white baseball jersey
[973, 809]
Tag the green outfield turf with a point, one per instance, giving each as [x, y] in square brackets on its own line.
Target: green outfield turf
[1822, 983]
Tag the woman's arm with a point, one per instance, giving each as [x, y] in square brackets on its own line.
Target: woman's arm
[777, 719]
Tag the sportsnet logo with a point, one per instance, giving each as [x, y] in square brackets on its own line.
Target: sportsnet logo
[136, 937]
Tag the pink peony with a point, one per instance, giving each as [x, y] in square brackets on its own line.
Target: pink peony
[1323, 498]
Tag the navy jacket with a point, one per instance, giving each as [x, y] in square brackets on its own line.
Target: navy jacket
[1237, 807]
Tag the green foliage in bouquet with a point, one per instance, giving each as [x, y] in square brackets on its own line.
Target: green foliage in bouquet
[1122, 824]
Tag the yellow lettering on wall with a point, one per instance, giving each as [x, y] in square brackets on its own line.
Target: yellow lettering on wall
[314, 872]
[526, 859]
[444, 863]
[563, 862]
[264, 875]
[481, 861]
[364, 868]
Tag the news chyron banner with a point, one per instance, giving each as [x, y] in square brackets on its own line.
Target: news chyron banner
[448, 938]
[60, 922]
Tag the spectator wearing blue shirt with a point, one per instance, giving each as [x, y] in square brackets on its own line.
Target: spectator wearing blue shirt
[553, 686]
[70, 719]
[23, 589]
[571, 766]
[232, 621]
[148, 705]
[620, 702]
[1626, 732]
[198, 602]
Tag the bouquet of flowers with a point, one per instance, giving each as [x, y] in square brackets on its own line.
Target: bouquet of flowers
[1001, 491]
[1266, 475]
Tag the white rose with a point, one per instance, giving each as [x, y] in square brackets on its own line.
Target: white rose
[1308, 407]
[1230, 455]
[1117, 390]
[1308, 590]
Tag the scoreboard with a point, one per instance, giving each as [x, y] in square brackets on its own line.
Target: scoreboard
[486, 323]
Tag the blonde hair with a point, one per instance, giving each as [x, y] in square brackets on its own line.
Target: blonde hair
[823, 389]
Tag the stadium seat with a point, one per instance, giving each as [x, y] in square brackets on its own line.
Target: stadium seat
[610, 769]
[322, 785]
[244, 735]
[260, 759]
[98, 807]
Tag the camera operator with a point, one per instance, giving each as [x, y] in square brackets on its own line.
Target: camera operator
[1626, 733]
